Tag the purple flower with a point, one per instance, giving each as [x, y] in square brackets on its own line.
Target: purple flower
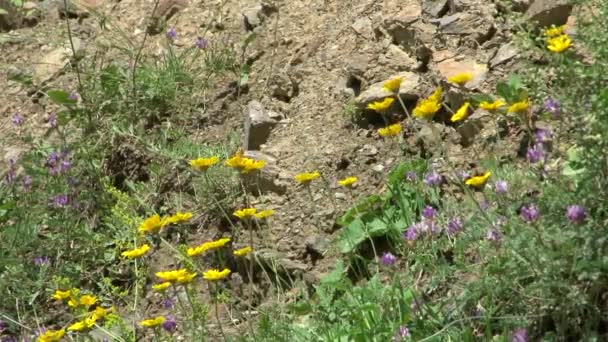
[401, 334]
[41, 260]
[60, 201]
[73, 96]
[553, 107]
[576, 214]
[493, 235]
[454, 226]
[3, 326]
[52, 159]
[411, 234]
[519, 335]
[501, 186]
[52, 120]
[542, 135]
[169, 324]
[535, 153]
[428, 212]
[529, 212]
[201, 43]
[432, 178]
[411, 176]
[171, 33]
[167, 303]
[484, 205]
[65, 165]
[17, 119]
[465, 174]
[388, 259]
[11, 175]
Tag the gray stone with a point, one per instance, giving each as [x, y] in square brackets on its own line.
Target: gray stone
[504, 54]
[256, 15]
[398, 59]
[471, 128]
[378, 168]
[258, 125]
[409, 90]
[283, 87]
[549, 12]
[457, 65]
[340, 196]
[480, 28]
[369, 150]
[278, 263]
[435, 8]
[317, 244]
[363, 27]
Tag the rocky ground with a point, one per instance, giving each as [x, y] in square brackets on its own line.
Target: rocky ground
[315, 66]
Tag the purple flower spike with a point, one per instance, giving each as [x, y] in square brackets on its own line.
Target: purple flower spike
[519, 335]
[201, 43]
[411, 234]
[401, 334]
[493, 235]
[432, 178]
[535, 153]
[576, 214]
[171, 33]
[60, 201]
[170, 324]
[542, 135]
[411, 176]
[388, 259]
[529, 213]
[501, 187]
[73, 96]
[65, 165]
[167, 303]
[41, 260]
[52, 120]
[17, 119]
[454, 226]
[428, 212]
[553, 107]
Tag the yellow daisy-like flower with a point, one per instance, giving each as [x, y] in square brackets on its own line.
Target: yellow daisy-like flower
[554, 31]
[215, 274]
[478, 181]
[426, 109]
[519, 107]
[82, 325]
[436, 95]
[380, 106]
[235, 161]
[264, 214]
[137, 252]
[203, 164]
[390, 131]
[348, 181]
[172, 276]
[392, 85]
[461, 113]
[153, 224]
[100, 313]
[242, 251]
[461, 78]
[559, 44]
[160, 287]
[61, 295]
[194, 251]
[152, 322]
[179, 217]
[245, 213]
[491, 105]
[51, 335]
[307, 177]
[73, 303]
[244, 164]
[88, 300]
[186, 278]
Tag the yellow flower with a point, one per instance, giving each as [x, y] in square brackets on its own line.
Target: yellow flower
[207, 246]
[264, 214]
[88, 300]
[554, 31]
[392, 85]
[519, 107]
[99, 313]
[380, 106]
[179, 217]
[426, 109]
[51, 335]
[188, 277]
[172, 276]
[82, 325]
[390, 131]
[242, 251]
[348, 181]
[244, 164]
[203, 164]
[160, 287]
[215, 274]
[461, 113]
[478, 181]
[559, 44]
[61, 295]
[152, 322]
[235, 161]
[492, 105]
[153, 224]
[307, 177]
[137, 252]
[461, 78]
[73, 303]
[436, 95]
[245, 213]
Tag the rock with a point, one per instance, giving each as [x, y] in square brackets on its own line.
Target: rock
[400, 13]
[469, 130]
[408, 90]
[256, 15]
[340, 196]
[549, 12]
[379, 168]
[504, 54]
[453, 66]
[317, 244]
[368, 150]
[479, 27]
[283, 87]
[269, 179]
[275, 262]
[258, 125]
[363, 27]
[9, 20]
[79, 8]
[357, 65]
[51, 64]
[435, 8]
[165, 11]
[398, 59]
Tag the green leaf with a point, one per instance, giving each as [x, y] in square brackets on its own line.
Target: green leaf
[479, 98]
[503, 90]
[3, 11]
[60, 97]
[335, 276]
[17, 3]
[351, 237]
[364, 206]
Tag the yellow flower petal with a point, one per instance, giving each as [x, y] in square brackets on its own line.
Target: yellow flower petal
[51, 335]
[461, 78]
[390, 131]
[152, 322]
[349, 181]
[461, 113]
[380, 106]
[88, 300]
[519, 107]
[491, 105]
[61, 295]
[245, 213]
[160, 287]
[137, 252]
[194, 251]
[478, 181]
[392, 85]
[554, 31]
[307, 177]
[215, 274]
[242, 251]
[559, 44]
[153, 224]
[203, 164]
[264, 214]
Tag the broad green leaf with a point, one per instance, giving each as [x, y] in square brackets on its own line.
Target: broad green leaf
[3, 11]
[504, 91]
[60, 97]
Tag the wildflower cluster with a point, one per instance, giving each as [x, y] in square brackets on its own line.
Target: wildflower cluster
[557, 40]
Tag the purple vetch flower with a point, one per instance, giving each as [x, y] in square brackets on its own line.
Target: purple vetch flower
[65, 165]
[576, 213]
[493, 235]
[171, 33]
[52, 159]
[411, 234]
[501, 186]
[535, 153]
[3, 326]
[553, 107]
[411, 176]
[167, 303]
[484, 205]
[11, 174]
[519, 335]
[41, 260]
[73, 96]
[428, 212]
[17, 119]
[465, 174]
[432, 178]
[169, 324]
[60, 201]
[529, 212]
[52, 120]
[388, 259]
[201, 43]
[401, 334]
[454, 226]
[542, 135]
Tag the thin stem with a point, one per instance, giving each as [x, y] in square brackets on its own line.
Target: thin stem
[218, 204]
[217, 314]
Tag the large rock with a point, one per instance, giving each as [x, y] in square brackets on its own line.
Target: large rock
[435, 8]
[549, 12]
[79, 8]
[268, 179]
[408, 90]
[256, 15]
[52, 63]
[258, 125]
[9, 16]
[504, 54]
[453, 66]
[479, 27]
[165, 11]
[478, 126]
[398, 60]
